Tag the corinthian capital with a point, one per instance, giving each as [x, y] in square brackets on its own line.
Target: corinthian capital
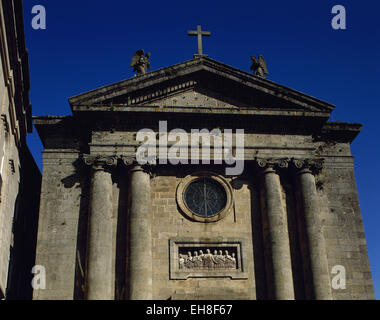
[100, 162]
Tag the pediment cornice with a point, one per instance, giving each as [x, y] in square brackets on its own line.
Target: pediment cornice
[204, 73]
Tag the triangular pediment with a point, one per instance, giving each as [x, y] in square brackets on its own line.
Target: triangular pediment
[199, 83]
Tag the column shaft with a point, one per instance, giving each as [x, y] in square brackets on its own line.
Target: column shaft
[140, 222]
[99, 245]
[314, 234]
[279, 238]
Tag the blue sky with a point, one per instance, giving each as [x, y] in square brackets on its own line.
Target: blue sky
[89, 44]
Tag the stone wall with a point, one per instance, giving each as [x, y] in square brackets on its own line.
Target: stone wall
[169, 223]
[60, 209]
[10, 178]
[343, 230]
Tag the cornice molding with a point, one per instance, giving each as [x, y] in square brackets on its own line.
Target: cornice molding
[246, 80]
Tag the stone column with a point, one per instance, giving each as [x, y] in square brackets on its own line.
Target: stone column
[140, 236]
[313, 228]
[99, 237]
[276, 219]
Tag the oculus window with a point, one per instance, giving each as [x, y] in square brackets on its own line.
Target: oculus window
[204, 197]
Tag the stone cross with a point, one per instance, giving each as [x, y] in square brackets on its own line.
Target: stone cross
[199, 33]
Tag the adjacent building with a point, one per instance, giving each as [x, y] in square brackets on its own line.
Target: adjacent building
[20, 178]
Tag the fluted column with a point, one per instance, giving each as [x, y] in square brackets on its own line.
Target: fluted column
[276, 219]
[99, 239]
[313, 227]
[140, 223]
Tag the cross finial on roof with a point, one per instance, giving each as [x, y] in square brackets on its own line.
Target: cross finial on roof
[199, 33]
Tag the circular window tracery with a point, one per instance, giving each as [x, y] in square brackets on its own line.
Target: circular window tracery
[204, 197]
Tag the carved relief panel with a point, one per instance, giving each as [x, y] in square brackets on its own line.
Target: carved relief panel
[194, 258]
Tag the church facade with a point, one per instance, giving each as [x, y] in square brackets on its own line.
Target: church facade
[281, 222]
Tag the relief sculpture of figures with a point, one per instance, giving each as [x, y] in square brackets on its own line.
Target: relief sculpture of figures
[220, 260]
[197, 260]
[140, 62]
[189, 261]
[259, 66]
[202, 261]
[208, 260]
[232, 260]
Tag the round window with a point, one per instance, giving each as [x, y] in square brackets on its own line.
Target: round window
[205, 197]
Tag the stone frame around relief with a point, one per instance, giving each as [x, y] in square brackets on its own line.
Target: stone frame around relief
[235, 274]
